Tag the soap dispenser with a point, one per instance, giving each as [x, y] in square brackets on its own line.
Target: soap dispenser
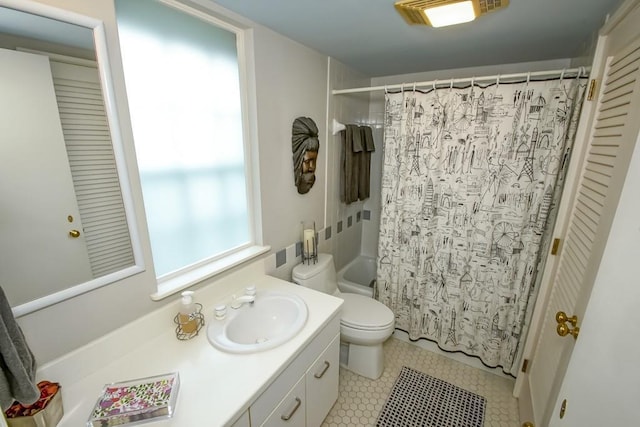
[189, 318]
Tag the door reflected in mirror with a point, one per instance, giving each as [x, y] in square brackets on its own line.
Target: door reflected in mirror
[66, 220]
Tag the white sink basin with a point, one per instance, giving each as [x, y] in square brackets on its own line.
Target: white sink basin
[271, 320]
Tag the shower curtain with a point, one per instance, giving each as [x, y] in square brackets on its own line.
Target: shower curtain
[470, 180]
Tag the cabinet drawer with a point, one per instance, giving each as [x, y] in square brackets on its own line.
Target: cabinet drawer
[291, 411]
[322, 384]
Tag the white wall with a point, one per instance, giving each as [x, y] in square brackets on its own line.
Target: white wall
[353, 109]
[290, 80]
[343, 244]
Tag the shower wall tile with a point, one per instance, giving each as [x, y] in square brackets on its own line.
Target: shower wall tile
[281, 263]
[347, 244]
[281, 258]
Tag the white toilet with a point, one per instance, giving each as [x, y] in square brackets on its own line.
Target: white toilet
[365, 323]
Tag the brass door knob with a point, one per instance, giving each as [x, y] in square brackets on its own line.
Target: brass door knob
[563, 330]
[561, 317]
[74, 233]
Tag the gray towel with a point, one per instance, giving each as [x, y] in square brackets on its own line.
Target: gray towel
[351, 146]
[18, 373]
[364, 168]
[357, 145]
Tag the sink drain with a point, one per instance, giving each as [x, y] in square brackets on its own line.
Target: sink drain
[261, 340]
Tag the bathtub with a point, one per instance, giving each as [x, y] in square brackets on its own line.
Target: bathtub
[358, 276]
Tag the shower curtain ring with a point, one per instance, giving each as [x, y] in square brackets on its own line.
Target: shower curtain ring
[498, 81]
[386, 91]
[414, 86]
[451, 85]
[528, 77]
[562, 74]
[435, 82]
[473, 79]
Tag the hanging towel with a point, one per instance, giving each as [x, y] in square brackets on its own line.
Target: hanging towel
[17, 376]
[364, 178]
[351, 144]
[357, 145]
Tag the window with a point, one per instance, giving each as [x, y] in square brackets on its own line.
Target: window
[183, 84]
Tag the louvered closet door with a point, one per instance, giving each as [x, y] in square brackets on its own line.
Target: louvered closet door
[611, 143]
[93, 167]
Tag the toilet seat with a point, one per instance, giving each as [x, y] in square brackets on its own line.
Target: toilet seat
[366, 314]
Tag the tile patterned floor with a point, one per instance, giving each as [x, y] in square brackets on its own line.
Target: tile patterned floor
[361, 399]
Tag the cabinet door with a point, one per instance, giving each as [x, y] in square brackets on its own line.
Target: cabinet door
[291, 410]
[322, 383]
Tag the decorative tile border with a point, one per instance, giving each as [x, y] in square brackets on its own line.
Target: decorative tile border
[281, 259]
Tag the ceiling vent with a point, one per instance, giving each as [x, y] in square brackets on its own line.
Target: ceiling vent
[419, 11]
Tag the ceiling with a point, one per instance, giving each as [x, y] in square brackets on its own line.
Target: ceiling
[370, 36]
[24, 24]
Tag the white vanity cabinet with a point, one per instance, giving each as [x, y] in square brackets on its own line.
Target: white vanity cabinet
[250, 390]
[305, 391]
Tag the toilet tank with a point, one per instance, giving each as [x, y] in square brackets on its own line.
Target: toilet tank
[320, 276]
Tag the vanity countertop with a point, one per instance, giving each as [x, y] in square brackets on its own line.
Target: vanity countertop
[215, 387]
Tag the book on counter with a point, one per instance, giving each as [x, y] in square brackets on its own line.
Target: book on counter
[135, 402]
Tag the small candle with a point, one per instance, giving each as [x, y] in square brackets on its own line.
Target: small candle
[308, 238]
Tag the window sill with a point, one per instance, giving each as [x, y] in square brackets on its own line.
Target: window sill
[176, 284]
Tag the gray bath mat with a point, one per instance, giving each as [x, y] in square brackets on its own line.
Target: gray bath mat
[418, 399]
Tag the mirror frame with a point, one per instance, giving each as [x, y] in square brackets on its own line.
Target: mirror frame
[108, 94]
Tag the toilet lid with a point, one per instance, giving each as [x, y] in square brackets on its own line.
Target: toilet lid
[361, 312]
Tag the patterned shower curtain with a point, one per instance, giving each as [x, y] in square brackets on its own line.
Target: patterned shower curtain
[470, 181]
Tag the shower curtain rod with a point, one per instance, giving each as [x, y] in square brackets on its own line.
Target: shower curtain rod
[507, 78]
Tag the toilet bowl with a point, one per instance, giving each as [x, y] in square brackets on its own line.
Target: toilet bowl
[364, 325]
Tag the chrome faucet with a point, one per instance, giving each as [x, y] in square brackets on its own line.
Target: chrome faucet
[248, 298]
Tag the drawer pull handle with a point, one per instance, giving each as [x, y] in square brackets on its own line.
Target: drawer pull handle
[287, 417]
[321, 374]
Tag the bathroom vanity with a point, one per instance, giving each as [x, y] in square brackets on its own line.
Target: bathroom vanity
[217, 388]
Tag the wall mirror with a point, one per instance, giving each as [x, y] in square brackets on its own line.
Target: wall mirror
[66, 218]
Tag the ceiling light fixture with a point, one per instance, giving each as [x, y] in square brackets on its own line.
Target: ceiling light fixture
[440, 13]
[451, 14]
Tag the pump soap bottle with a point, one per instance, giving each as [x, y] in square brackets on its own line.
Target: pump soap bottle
[187, 317]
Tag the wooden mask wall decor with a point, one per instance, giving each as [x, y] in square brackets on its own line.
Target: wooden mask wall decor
[305, 146]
